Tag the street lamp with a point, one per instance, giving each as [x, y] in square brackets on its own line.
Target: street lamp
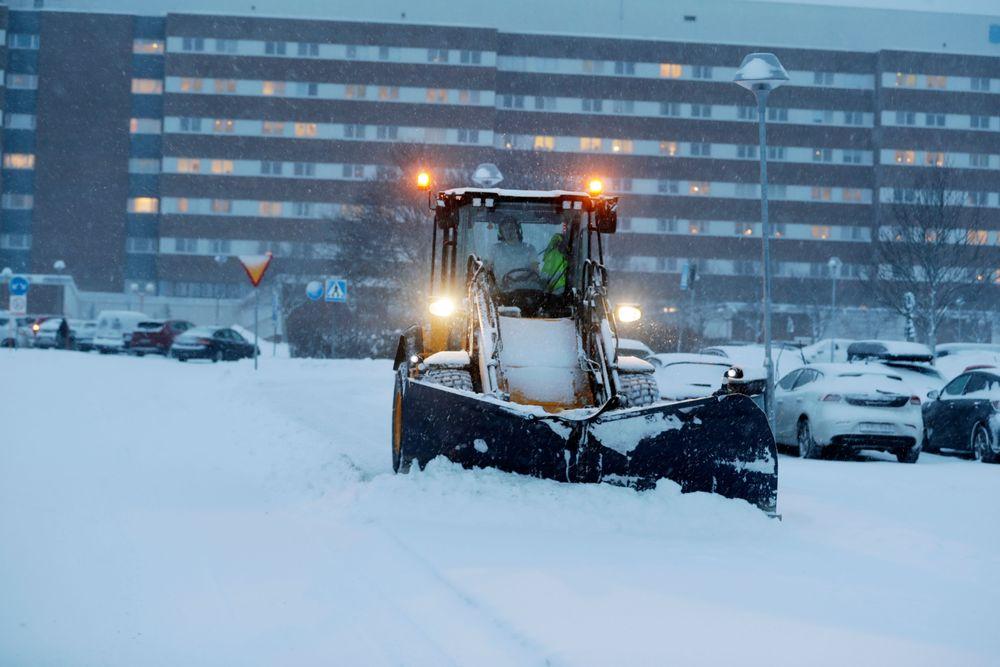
[59, 265]
[834, 264]
[760, 73]
[219, 261]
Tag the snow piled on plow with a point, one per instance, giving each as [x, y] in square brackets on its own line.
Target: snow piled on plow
[156, 513]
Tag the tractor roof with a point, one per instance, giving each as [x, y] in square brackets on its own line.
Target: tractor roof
[500, 193]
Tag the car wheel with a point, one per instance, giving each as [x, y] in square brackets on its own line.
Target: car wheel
[808, 449]
[927, 446]
[182, 359]
[982, 444]
[217, 357]
[909, 455]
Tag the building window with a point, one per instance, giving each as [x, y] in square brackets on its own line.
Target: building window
[353, 171]
[437, 55]
[270, 209]
[852, 195]
[308, 49]
[622, 184]
[385, 53]
[386, 132]
[979, 198]
[224, 125]
[666, 225]
[667, 187]
[225, 86]
[746, 113]
[20, 121]
[275, 48]
[934, 119]
[821, 194]
[440, 96]
[854, 118]
[473, 97]
[141, 245]
[541, 103]
[388, 92]
[304, 169]
[980, 84]
[592, 66]
[777, 114]
[354, 131]
[905, 157]
[979, 122]
[624, 68]
[668, 148]
[306, 89]
[622, 146]
[544, 143]
[19, 161]
[776, 153]
[696, 226]
[226, 45]
[937, 82]
[222, 167]
[305, 129]
[670, 109]
[702, 188]
[701, 110]
[188, 124]
[701, 150]
[187, 246]
[906, 80]
[147, 47]
[30, 82]
[822, 78]
[191, 85]
[143, 205]
[222, 206]
[17, 202]
[822, 116]
[220, 246]
[822, 155]
[512, 101]
[147, 86]
[701, 72]
[188, 165]
[271, 168]
[143, 166]
[977, 236]
[979, 160]
[272, 128]
[906, 118]
[592, 106]
[470, 57]
[821, 232]
[623, 106]
[303, 209]
[671, 71]
[746, 152]
[468, 136]
[355, 91]
[934, 159]
[145, 126]
[853, 156]
[272, 87]
[193, 44]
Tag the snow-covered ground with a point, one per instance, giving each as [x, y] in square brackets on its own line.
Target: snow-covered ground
[157, 513]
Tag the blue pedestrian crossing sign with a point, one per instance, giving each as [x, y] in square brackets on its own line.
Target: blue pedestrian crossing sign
[18, 286]
[336, 290]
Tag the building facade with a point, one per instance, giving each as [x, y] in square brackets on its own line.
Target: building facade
[145, 149]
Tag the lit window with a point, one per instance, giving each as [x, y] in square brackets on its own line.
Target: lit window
[937, 81]
[906, 80]
[822, 155]
[388, 92]
[145, 126]
[905, 157]
[702, 188]
[977, 237]
[439, 95]
[473, 97]
[852, 195]
[355, 92]
[544, 143]
[225, 86]
[188, 165]
[590, 143]
[271, 209]
[272, 127]
[821, 232]
[19, 161]
[622, 146]
[222, 206]
[147, 86]
[934, 159]
[224, 125]
[147, 46]
[821, 194]
[305, 129]
[222, 166]
[671, 71]
[668, 148]
[696, 226]
[272, 88]
[182, 205]
[190, 85]
[143, 205]
[143, 166]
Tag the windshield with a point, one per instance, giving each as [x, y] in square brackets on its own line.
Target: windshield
[527, 245]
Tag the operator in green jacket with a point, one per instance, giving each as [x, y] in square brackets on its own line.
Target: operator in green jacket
[555, 263]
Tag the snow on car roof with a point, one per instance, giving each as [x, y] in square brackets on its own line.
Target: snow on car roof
[520, 194]
[668, 358]
[857, 369]
[893, 348]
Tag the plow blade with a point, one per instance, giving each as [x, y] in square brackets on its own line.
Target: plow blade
[718, 445]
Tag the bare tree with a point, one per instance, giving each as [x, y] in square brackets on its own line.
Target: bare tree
[932, 246]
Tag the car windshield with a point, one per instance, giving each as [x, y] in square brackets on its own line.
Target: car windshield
[527, 245]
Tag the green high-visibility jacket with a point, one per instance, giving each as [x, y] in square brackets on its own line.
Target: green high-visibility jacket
[555, 265]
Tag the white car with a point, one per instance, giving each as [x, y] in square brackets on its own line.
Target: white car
[633, 348]
[683, 376]
[857, 406]
[822, 350]
[113, 327]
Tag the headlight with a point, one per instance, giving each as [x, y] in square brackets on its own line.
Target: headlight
[629, 313]
[442, 306]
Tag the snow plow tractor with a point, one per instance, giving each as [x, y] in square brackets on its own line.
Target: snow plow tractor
[518, 367]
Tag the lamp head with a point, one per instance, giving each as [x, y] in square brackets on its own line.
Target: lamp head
[760, 72]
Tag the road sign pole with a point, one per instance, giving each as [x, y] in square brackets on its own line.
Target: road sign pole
[256, 309]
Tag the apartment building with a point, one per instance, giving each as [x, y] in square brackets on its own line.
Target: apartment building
[143, 148]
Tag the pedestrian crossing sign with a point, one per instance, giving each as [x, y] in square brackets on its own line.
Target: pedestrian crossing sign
[336, 290]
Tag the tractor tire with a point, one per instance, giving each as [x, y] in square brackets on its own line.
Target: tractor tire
[453, 378]
[400, 462]
[639, 389]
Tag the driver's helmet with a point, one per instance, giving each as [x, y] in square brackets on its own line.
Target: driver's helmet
[510, 229]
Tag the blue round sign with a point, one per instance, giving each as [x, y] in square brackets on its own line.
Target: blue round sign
[314, 290]
[18, 286]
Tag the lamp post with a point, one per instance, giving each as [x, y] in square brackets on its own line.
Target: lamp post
[760, 73]
[219, 261]
[834, 264]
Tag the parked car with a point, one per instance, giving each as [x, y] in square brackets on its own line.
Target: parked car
[911, 361]
[156, 336]
[32, 325]
[965, 416]
[215, 343]
[954, 364]
[858, 406]
[786, 357]
[947, 349]
[83, 333]
[683, 376]
[12, 333]
[48, 333]
[822, 350]
[114, 327]
[633, 348]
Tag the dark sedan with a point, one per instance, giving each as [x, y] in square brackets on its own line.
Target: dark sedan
[965, 416]
[215, 343]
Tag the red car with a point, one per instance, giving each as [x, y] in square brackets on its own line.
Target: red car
[155, 336]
